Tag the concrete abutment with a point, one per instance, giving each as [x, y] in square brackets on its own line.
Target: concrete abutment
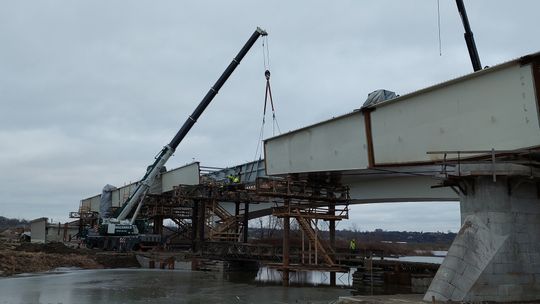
[496, 254]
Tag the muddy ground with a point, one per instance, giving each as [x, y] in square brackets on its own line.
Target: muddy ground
[27, 257]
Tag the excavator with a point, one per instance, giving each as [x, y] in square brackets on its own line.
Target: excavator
[122, 231]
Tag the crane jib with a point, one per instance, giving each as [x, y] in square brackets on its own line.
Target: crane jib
[214, 89]
[154, 169]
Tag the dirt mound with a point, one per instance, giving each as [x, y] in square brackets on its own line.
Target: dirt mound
[46, 248]
[31, 257]
[12, 262]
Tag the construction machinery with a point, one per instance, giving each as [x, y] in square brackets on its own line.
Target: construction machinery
[122, 231]
[469, 38]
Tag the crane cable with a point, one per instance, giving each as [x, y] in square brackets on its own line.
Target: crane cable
[439, 26]
[267, 97]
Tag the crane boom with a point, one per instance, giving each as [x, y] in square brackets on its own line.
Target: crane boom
[469, 38]
[153, 170]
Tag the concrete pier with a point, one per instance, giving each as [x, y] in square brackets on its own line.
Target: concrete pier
[496, 254]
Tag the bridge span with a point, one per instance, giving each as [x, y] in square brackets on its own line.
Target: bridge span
[473, 139]
[478, 136]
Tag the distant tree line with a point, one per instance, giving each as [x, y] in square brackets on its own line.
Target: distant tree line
[6, 223]
[379, 235]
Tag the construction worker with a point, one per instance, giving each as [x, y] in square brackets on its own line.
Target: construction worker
[352, 245]
[233, 179]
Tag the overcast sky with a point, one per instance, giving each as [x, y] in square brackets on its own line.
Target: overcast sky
[91, 90]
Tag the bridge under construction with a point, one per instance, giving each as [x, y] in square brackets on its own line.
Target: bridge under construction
[473, 139]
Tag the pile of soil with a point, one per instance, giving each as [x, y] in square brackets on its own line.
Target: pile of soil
[31, 257]
[13, 262]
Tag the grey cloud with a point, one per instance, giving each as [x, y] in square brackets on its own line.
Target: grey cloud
[90, 91]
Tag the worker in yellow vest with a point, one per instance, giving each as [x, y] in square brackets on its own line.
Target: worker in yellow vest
[352, 245]
[233, 179]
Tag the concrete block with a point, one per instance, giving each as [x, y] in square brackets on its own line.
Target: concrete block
[525, 206]
[524, 191]
[499, 217]
[441, 290]
[506, 256]
[499, 244]
[525, 279]
[522, 237]
[457, 248]
[458, 295]
[482, 292]
[516, 278]
[488, 269]
[534, 257]
[446, 274]
[503, 268]
[448, 289]
[496, 203]
[458, 265]
[523, 259]
[438, 297]
[524, 247]
[533, 237]
[479, 257]
[522, 227]
[524, 218]
[509, 290]
[534, 269]
[466, 281]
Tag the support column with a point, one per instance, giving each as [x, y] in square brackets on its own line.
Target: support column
[246, 221]
[496, 254]
[236, 216]
[194, 226]
[202, 219]
[332, 232]
[286, 230]
[158, 225]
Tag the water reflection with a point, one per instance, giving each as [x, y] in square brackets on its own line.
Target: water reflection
[154, 286]
[269, 276]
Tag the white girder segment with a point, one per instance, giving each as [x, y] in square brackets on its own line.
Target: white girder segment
[338, 144]
[492, 109]
[186, 175]
[91, 203]
[497, 109]
[120, 195]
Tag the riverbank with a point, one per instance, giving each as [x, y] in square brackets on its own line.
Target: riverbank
[16, 258]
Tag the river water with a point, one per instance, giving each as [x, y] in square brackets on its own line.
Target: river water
[154, 286]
